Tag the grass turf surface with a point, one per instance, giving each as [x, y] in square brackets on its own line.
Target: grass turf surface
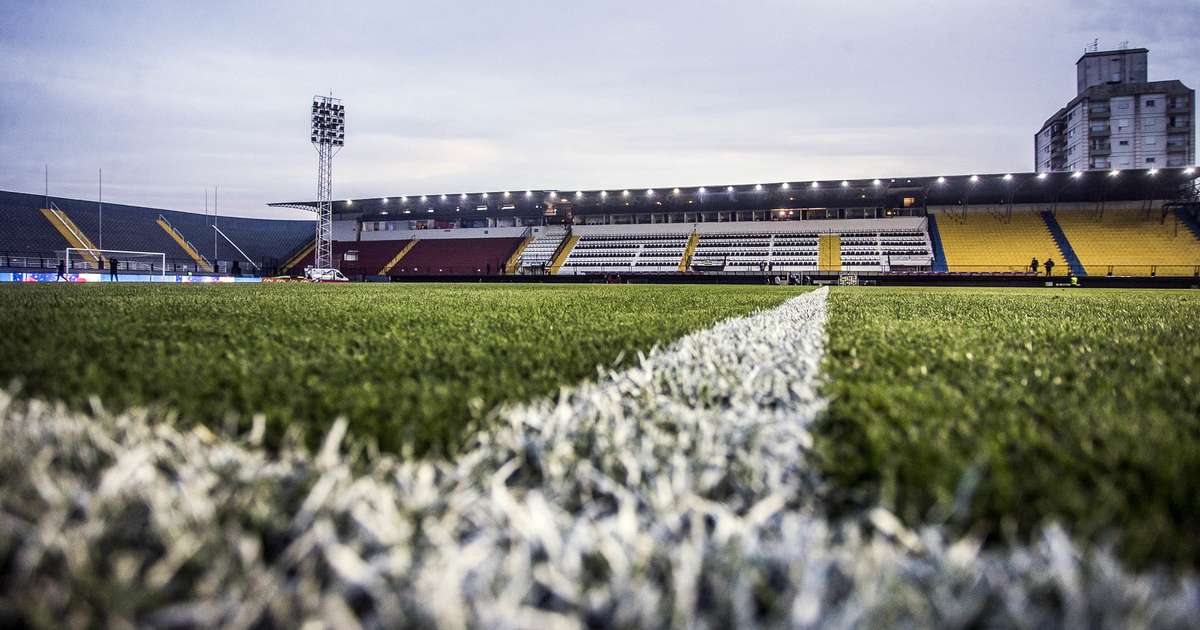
[997, 410]
[409, 365]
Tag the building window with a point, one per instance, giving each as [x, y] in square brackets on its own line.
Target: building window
[1150, 160]
[1152, 140]
[1150, 102]
[1148, 124]
[1123, 105]
[1123, 143]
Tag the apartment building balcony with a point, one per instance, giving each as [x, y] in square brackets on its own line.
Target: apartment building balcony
[1099, 130]
[1099, 111]
[1102, 148]
[1181, 106]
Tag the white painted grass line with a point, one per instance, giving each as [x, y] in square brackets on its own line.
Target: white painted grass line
[672, 493]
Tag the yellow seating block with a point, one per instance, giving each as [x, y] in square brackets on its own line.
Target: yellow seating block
[983, 242]
[1132, 243]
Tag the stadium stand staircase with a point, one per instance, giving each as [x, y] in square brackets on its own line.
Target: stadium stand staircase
[184, 244]
[935, 243]
[514, 262]
[298, 257]
[564, 250]
[689, 251]
[1064, 245]
[391, 264]
[1190, 221]
[829, 252]
[71, 232]
[1132, 243]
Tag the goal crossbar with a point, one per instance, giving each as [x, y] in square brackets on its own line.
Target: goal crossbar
[100, 255]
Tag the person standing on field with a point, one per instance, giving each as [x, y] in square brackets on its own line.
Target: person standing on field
[1033, 265]
[62, 270]
[1049, 265]
[112, 269]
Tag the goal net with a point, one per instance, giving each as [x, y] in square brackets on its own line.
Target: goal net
[83, 260]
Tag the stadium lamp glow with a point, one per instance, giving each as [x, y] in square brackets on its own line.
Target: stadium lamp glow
[1114, 173]
[845, 183]
[424, 198]
[1077, 174]
[349, 202]
[758, 187]
[941, 180]
[1189, 170]
[703, 190]
[816, 185]
[463, 196]
[385, 200]
[974, 178]
[649, 192]
[484, 195]
[443, 197]
[624, 193]
[675, 191]
[1008, 177]
[603, 193]
[785, 186]
[507, 194]
[1042, 176]
[578, 193]
[528, 193]
[729, 189]
[1152, 172]
[875, 183]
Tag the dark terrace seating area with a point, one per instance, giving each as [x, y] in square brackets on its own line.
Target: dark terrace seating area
[457, 256]
[25, 230]
[268, 242]
[370, 257]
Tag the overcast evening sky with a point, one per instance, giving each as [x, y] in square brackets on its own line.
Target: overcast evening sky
[448, 96]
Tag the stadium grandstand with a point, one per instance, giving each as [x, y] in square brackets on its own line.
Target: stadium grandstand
[1133, 223]
[1136, 223]
[36, 230]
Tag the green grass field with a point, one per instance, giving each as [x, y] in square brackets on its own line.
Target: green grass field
[408, 365]
[996, 410]
[990, 411]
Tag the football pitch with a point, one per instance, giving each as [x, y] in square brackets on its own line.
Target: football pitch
[409, 366]
[623, 455]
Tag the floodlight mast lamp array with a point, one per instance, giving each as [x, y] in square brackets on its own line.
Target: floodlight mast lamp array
[328, 137]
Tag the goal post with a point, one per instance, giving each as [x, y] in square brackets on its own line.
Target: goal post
[128, 261]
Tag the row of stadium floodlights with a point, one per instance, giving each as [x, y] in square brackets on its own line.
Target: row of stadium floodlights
[784, 186]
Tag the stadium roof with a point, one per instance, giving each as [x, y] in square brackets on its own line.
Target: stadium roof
[982, 188]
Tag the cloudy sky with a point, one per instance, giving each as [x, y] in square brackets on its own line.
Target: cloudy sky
[172, 97]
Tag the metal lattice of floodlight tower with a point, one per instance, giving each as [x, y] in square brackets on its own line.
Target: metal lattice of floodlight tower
[328, 137]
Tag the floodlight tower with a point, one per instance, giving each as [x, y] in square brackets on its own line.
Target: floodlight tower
[328, 137]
